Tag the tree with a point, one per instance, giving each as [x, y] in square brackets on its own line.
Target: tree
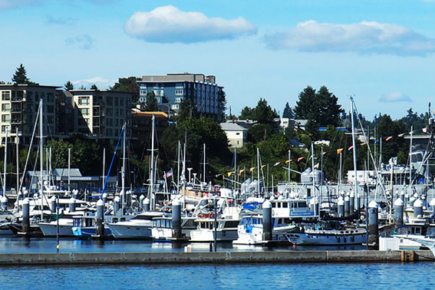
[151, 104]
[69, 86]
[288, 112]
[187, 110]
[20, 76]
[94, 87]
[127, 85]
[222, 103]
[247, 113]
[263, 113]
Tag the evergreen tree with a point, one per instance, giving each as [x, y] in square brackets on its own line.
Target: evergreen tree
[288, 112]
[127, 85]
[20, 76]
[151, 104]
[94, 87]
[69, 86]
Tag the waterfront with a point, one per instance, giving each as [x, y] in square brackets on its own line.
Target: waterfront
[258, 276]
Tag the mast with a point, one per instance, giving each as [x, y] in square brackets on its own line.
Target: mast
[410, 160]
[4, 167]
[178, 166]
[41, 156]
[17, 142]
[258, 170]
[204, 165]
[123, 169]
[354, 147]
[152, 165]
[312, 172]
[69, 170]
[104, 166]
[288, 172]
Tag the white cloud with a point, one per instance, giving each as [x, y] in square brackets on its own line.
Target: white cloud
[395, 97]
[100, 82]
[7, 4]
[168, 24]
[82, 41]
[364, 37]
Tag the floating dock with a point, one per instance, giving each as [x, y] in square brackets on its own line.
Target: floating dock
[180, 258]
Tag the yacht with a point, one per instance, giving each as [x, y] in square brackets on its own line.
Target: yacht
[138, 227]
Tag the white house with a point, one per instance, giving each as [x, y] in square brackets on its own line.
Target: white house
[236, 134]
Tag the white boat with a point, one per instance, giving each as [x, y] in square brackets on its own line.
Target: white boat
[162, 228]
[226, 230]
[427, 241]
[325, 235]
[250, 230]
[138, 227]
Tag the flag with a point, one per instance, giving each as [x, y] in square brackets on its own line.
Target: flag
[339, 150]
[167, 174]
[362, 144]
[241, 171]
[316, 165]
[252, 168]
[287, 161]
[262, 166]
[424, 130]
[350, 148]
[377, 140]
[300, 158]
[276, 164]
[229, 173]
[401, 135]
[389, 138]
[324, 153]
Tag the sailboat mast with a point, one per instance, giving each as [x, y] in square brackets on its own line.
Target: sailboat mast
[123, 169]
[204, 165]
[258, 170]
[410, 159]
[152, 165]
[41, 157]
[4, 166]
[354, 147]
[314, 179]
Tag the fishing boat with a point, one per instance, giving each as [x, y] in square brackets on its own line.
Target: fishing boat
[328, 233]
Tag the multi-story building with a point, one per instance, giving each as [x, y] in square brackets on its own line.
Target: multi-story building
[101, 114]
[172, 89]
[237, 135]
[20, 107]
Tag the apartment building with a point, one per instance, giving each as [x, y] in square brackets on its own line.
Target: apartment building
[172, 89]
[19, 110]
[101, 114]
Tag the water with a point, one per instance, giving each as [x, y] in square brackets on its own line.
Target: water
[246, 276]
[258, 276]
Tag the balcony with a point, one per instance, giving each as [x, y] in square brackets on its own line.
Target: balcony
[16, 121]
[18, 99]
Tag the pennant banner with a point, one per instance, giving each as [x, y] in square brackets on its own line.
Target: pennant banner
[339, 150]
[388, 138]
[276, 164]
[300, 158]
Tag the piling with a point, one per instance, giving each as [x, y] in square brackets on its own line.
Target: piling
[373, 223]
[53, 204]
[176, 219]
[116, 203]
[418, 208]
[267, 221]
[72, 204]
[398, 211]
[432, 205]
[352, 202]
[146, 204]
[4, 202]
[340, 204]
[100, 218]
[141, 199]
[105, 198]
[26, 216]
[346, 206]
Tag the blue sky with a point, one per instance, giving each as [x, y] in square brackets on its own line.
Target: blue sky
[380, 52]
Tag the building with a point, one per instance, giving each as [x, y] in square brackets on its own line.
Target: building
[236, 134]
[20, 107]
[101, 114]
[142, 125]
[172, 89]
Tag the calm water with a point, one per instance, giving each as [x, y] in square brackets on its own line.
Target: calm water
[254, 276]
[258, 276]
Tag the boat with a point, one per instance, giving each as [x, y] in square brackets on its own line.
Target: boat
[328, 233]
[162, 228]
[138, 227]
[427, 241]
[250, 230]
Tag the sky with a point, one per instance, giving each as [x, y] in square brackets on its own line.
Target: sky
[380, 53]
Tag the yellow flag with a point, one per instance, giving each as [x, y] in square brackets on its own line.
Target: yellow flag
[262, 166]
[252, 168]
[339, 150]
[287, 161]
[229, 174]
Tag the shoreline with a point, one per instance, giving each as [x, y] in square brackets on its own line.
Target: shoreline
[227, 257]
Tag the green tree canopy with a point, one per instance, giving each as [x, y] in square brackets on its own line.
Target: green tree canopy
[288, 112]
[94, 87]
[127, 85]
[20, 76]
[151, 104]
[69, 86]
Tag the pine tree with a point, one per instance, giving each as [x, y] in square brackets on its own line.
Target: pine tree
[20, 76]
[69, 86]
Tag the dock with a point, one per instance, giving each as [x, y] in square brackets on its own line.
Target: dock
[180, 258]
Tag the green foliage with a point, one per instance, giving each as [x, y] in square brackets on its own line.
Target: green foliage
[288, 112]
[262, 113]
[151, 104]
[127, 85]
[69, 86]
[260, 132]
[94, 87]
[20, 76]
[187, 110]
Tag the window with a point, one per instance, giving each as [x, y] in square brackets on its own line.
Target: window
[4, 129]
[6, 118]
[6, 95]
[84, 112]
[6, 107]
[83, 100]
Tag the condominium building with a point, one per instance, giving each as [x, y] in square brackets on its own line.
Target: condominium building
[19, 110]
[172, 89]
[101, 114]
